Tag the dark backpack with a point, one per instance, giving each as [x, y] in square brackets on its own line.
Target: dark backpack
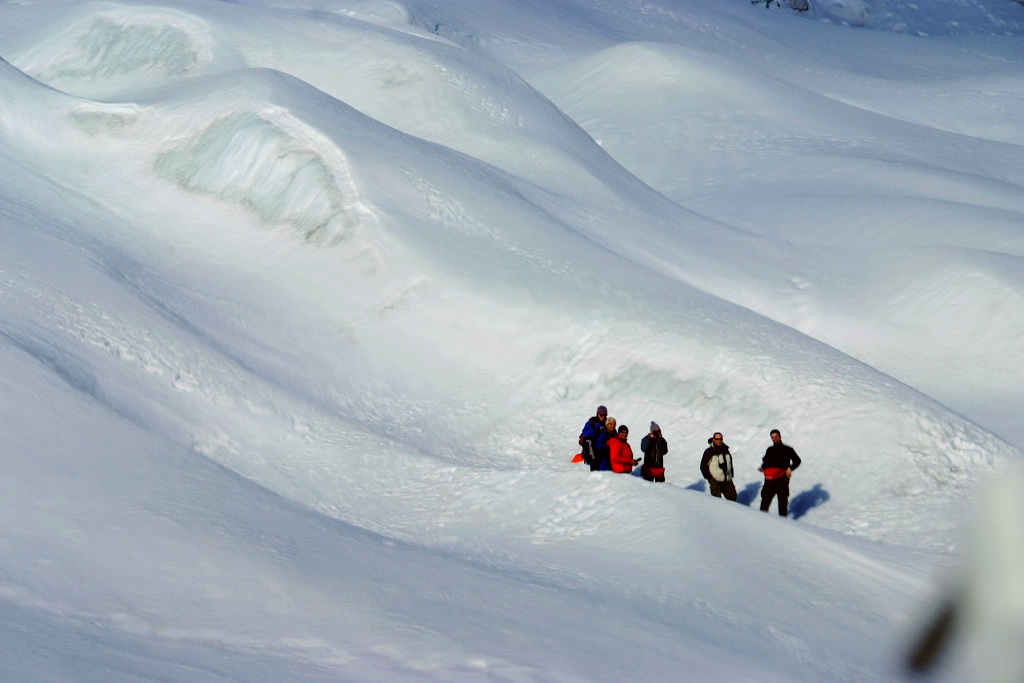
[589, 442]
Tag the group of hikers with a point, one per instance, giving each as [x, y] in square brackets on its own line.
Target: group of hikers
[605, 446]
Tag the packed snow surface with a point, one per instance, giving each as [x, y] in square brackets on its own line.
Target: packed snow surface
[303, 305]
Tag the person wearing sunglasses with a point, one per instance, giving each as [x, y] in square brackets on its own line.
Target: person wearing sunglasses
[716, 467]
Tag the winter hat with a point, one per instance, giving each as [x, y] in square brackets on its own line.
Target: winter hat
[601, 410]
[655, 427]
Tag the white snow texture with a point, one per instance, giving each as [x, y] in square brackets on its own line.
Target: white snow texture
[303, 304]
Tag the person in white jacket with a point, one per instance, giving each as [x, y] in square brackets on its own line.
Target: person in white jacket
[716, 466]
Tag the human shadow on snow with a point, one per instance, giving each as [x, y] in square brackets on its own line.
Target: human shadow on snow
[749, 494]
[799, 505]
[807, 500]
[745, 497]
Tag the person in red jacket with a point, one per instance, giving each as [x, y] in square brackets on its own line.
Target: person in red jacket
[620, 453]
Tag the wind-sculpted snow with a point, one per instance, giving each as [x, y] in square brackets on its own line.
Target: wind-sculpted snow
[111, 49]
[773, 134]
[248, 159]
[940, 17]
[114, 47]
[302, 311]
[258, 150]
[426, 88]
[274, 161]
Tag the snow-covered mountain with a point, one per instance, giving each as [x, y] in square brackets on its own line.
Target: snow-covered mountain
[304, 305]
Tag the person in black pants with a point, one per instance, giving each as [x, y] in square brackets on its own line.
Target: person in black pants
[716, 467]
[778, 464]
[654, 447]
[594, 427]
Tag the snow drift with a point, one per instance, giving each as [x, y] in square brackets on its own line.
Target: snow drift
[305, 306]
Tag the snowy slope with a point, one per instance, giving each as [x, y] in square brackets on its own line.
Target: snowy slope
[304, 308]
[897, 165]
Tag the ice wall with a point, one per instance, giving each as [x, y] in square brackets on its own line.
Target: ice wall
[247, 158]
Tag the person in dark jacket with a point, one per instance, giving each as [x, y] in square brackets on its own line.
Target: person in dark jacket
[603, 456]
[778, 464]
[654, 448]
[588, 437]
[716, 467]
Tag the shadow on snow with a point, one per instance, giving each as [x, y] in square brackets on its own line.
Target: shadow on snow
[749, 493]
[801, 503]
